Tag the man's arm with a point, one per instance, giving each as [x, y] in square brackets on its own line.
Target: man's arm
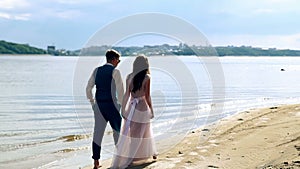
[125, 97]
[90, 86]
[119, 85]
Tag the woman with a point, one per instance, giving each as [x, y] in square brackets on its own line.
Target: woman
[136, 139]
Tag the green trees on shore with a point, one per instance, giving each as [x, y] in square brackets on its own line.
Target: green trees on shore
[14, 48]
[251, 51]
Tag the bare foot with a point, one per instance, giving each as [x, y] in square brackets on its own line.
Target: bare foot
[96, 164]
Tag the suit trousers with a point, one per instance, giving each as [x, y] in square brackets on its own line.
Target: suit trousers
[105, 112]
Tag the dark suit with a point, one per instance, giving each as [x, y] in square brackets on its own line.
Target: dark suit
[106, 109]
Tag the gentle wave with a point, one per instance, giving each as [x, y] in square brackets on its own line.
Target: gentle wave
[67, 150]
[67, 138]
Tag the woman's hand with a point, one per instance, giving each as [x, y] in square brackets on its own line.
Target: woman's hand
[152, 114]
[123, 113]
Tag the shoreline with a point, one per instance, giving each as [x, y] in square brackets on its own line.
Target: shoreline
[257, 138]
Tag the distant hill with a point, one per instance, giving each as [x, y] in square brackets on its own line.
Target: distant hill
[254, 51]
[184, 49]
[14, 48]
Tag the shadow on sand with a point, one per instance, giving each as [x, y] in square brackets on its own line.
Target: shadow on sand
[140, 166]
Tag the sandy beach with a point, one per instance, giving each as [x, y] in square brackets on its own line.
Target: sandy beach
[257, 138]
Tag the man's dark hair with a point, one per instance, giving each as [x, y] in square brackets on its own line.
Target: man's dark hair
[111, 55]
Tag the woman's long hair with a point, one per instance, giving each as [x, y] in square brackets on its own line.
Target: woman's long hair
[140, 69]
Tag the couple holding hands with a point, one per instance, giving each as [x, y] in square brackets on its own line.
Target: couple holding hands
[134, 138]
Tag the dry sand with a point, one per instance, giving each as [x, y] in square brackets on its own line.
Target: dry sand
[258, 138]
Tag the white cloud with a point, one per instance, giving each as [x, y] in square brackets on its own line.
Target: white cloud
[80, 1]
[279, 1]
[64, 9]
[237, 8]
[263, 11]
[68, 14]
[281, 5]
[5, 15]
[15, 9]
[22, 16]
[14, 4]
[69, 1]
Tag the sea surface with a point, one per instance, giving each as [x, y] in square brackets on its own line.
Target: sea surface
[47, 122]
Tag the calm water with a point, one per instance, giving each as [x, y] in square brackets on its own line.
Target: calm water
[46, 121]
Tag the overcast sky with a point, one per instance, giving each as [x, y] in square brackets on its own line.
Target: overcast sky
[70, 23]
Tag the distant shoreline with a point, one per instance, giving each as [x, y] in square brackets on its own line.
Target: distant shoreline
[8, 48]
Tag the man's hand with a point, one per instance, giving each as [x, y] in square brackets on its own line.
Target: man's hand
[92, 101]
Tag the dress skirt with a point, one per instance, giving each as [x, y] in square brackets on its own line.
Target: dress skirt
[136, 140]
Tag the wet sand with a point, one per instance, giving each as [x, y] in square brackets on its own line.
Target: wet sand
[257, 138]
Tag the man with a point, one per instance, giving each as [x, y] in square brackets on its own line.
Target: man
[109, 95]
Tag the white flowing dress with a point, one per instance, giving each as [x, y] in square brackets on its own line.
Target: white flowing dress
[136, 140]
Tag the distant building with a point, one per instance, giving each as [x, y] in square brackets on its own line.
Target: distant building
[51, 50]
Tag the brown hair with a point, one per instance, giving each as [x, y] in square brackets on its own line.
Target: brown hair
[140, 69]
